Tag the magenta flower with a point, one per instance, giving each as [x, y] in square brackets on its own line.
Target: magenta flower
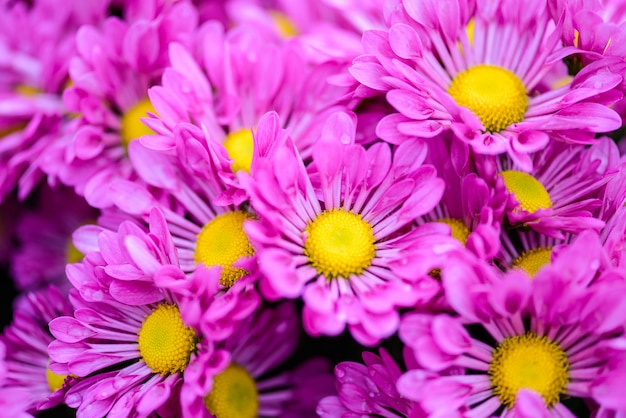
[334, 235]
[111, 74]
[36, 72]
[26, 341]
[563, 191]
[368, 388]
[475, 71]
[533, 343]
[13, 400]
[225, 99]
[469, 206]
[133, 358]
[247, 383]
[46, 234]
[194, 207]
[34, 67]
[594, 26]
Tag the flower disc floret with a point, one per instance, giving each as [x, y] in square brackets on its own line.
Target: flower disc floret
[529, 361]
[339, 244]
[165, 343]
[531, 261]
[234, 394]
[496, 95]
[222, 242]
[528, 191]
[55, 381]
[240, 146]
[132, 126]
[458, 229]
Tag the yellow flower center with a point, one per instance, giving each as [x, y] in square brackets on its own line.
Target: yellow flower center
[531, 362]
[531, 261]
[234, 394]
[528, 191]
[285, 26]
[132, 126]
[459, 230]
[165, 343]
[239, 146]
[496, 95]
[55, 381]
[26, 90]
[222, 242]
[72, 254]
[339, 244]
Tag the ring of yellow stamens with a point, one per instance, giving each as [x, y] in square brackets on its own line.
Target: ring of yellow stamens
[459, 230]
[165, 343]
[528, 191]
[529, 362]
[532, 260]
[496, 95]
[339, 244]
[222, 242]
[55, 381]
[234, 394]
[286, 28]
[240, 146]
[132, 126]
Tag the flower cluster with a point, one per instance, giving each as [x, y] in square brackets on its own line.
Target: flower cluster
[207, 206]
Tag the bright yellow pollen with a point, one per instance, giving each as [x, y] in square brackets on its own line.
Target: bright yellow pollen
[339, 244]
[72, 254]
[132, 126]
[26, 90]
[496, 95]
[165, 343]
[222, 242]
[239, 146]
[285, 26]
[55, 381]
[528, 191]
[459, 230]
[576, 38]
[234, 394]
[470, 30]
[531, 261]
[532, 362]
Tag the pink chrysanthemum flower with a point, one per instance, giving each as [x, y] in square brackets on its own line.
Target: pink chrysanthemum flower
[474, 70]
[225, 99]
[115, 65]
[132, 358]
[525, 346]
[14, 401]
[26, 340]
[471, 208]
[595, 26]
[367, 389]
[46, 234]
[564, 190]
[193, 206]
[334, 235]
[326, 29]
[34, 67]
[247, 383]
